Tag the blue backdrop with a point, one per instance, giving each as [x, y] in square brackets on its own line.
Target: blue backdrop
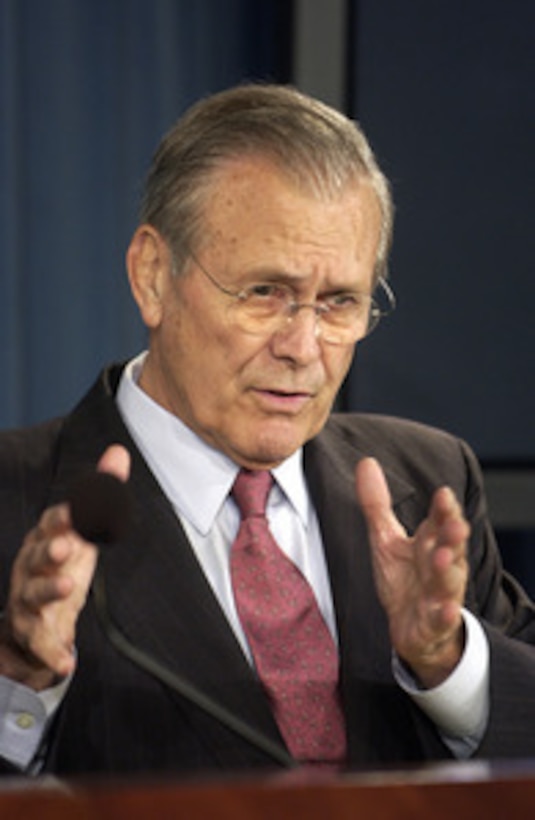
[87, 87]
[445, 92]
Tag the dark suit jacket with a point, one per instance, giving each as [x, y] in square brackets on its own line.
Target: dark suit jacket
[117, 718]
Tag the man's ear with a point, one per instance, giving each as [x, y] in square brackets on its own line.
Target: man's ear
[148, 262]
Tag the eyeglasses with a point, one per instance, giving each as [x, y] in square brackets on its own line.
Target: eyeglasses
[342, 318]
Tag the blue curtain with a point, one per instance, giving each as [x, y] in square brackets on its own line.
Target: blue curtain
[87, 87]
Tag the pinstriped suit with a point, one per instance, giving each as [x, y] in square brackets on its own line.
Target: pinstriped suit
[117, 718]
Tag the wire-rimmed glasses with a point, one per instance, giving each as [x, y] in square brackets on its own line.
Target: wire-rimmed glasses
[344, 317]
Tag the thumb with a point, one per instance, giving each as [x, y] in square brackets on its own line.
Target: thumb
[115, 460]
[374, 498]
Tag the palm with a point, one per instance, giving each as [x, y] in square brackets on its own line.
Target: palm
[420, 579]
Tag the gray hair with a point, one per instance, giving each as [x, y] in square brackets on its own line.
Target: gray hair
[320, 149]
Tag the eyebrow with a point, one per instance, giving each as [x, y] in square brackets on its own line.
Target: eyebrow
[271, 275]
[293, 280]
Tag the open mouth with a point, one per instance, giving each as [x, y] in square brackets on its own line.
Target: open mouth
[281, 399]
[287, 395]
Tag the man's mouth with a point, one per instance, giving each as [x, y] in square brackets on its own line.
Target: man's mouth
[284, 400]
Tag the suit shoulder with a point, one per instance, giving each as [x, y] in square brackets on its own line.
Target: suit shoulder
[27, 459]
[28, 447]
[374, 430]
[27, 462]
[401, 443]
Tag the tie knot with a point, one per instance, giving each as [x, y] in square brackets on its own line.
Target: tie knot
[250, 492]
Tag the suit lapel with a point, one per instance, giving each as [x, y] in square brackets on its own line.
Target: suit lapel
[161, 600]
[330, 462]
[157, 592]
[373, 703]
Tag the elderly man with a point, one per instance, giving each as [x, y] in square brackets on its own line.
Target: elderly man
[329, 583]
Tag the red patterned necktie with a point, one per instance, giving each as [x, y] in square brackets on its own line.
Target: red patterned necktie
[293, 650]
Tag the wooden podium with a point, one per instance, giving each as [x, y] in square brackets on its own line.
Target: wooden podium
[457, 791]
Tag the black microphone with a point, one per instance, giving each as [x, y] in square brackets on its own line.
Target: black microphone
[101, 507]
[101, 512]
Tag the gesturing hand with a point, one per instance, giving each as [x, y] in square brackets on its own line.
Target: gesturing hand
[49, 584]
[420, 579]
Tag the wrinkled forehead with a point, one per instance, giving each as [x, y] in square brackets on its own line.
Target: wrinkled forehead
[259, 221]
[254, 191]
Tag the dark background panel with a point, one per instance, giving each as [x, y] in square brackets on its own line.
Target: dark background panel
[445, 92]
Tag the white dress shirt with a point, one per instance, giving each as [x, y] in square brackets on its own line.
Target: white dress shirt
[197, 480]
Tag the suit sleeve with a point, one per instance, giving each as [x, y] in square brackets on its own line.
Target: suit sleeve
[508, 617]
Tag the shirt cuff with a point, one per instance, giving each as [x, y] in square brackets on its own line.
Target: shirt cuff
[459, 706]
[24, 717]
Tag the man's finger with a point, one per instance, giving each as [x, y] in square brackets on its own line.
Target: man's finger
[374, 498]
[43, 591]
[115, 460]
[447, 519]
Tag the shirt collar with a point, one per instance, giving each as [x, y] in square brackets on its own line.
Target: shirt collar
[184, 464]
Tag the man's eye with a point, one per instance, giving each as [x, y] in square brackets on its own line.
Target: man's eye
[266, 291]
[346, 301]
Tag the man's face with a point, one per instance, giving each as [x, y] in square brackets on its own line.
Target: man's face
[258, 398]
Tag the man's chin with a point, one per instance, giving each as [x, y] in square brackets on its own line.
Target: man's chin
[272, 444]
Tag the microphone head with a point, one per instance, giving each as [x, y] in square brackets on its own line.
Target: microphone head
[101, 507]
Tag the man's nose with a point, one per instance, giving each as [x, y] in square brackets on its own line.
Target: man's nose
[299, 335]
